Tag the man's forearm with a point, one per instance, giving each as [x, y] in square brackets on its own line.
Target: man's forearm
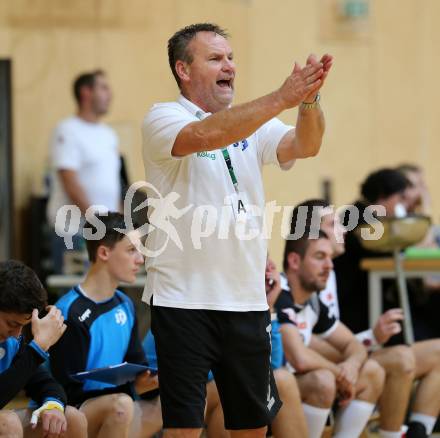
[18, 374]
[305, 140]
[309, 130]
[74, 189]
[355, 352]
[78, 197]
[228, 126]
[310, 360]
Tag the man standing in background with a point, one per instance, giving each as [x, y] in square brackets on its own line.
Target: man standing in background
[84, 158]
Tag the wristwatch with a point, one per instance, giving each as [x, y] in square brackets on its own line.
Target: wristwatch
[311, 105]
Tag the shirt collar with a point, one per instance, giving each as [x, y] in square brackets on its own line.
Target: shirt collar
[192, 107]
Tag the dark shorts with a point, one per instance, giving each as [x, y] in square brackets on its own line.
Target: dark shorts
[234, 345]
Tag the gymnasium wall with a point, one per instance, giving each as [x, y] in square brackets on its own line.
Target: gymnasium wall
[380, 100]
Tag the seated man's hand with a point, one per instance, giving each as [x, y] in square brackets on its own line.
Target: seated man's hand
[346, 391]
[346, 381]
[273, 283]
[388, 325]
[146, 382]
[49, 329]
[346, 395]
[349, 372]
[53, 423]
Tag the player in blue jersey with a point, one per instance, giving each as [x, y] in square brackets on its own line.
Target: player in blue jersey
[102, 331]
[22, 297]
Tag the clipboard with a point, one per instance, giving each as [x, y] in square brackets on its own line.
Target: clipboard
[115, 374]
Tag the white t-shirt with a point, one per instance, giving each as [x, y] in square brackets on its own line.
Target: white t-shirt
[206, 273]
[91, 149]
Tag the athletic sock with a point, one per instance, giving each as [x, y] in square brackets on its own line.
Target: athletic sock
[316, 419]
[388, 434]
[426, 420]
[351, 419]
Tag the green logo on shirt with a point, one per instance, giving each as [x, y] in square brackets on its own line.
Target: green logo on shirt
[210, 155]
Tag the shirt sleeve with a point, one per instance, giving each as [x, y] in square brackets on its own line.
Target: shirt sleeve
[326, 323]
[160, 129]
[42, 387]
[285, 311]
[269, 136]
[69, 356]
[368, 339]
[19, 373]
[66, 153]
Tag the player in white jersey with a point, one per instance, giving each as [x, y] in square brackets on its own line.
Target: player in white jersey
[402, 363]
[355, 381]
[290, 420]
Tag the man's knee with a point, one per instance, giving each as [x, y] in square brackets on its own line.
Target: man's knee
[76, 420]
[151, 412]
[10, 425]
[323, 387]
[286, 382]
[435, 348]
[402, 361]
[121, 409]
[374, 375]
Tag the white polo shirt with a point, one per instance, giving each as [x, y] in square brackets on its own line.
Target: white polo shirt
[220, 271]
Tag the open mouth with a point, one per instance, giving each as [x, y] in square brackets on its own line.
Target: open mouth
[225, 83]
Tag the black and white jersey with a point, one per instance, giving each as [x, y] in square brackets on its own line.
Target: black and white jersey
[329, 296]
[312, 317]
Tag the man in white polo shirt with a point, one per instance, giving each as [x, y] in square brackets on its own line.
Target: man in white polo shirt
[85, 159]
[206, 282]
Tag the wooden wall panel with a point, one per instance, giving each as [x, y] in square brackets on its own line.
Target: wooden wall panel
[380, 100]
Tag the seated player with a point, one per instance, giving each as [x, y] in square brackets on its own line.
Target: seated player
[356, 381]
[102, 331]
[383, 189]
[417, 198]
[290, 420]
[22, 296]
[402, 363]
